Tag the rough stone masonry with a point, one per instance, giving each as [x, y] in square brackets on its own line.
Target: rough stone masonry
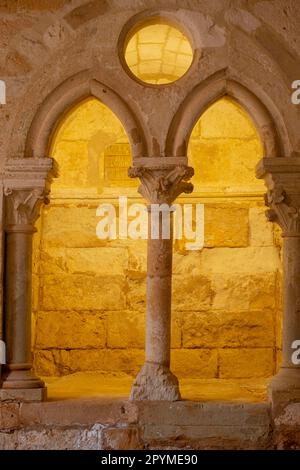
[223, 305]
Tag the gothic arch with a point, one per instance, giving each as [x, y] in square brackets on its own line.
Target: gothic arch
[69, 93]
[266, 117]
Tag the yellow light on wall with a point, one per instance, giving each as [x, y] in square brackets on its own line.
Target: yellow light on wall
[224, 150]
[158, 53]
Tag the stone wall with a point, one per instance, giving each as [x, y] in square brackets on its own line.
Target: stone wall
[89, 294]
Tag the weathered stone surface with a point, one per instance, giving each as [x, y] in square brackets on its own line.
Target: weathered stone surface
[194, 363]
[188, 413]
[290, 416]
[16, 64]
[192, 293]
[228, 329]
[121, 439]
[206, 426]
[32, 5]
[9, 416]
[226, 226]
[243, 363]
[100, 261]
[60, 362]
[220, 122]
[155, 382]
[80, 15]
[89, 292]
[176, 329]
[115, 424]
[53, 439]
[228, 260]
[138, 257]
[216, 169]
[23, 394]
[70, 227]
[240, 260]
[70, 330]
[126, 329]
[260, 230]
[238, 292]
[136, 294]
[79, 412]
[44, 363]
[208, 438]
[55, 34]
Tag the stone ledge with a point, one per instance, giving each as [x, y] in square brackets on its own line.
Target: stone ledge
[118, 424]
[80, 412]
[23, 395]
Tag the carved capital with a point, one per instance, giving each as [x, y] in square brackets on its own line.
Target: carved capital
[162, 185]
[283, 212]
[26, 187]
[22, 207]
[282, 178]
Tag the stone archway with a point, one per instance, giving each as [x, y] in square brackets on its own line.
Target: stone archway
[27, 184]
[263, 112]
[69, 93]
[281, 171]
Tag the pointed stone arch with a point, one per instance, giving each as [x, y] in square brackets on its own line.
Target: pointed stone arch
[266, 117]
[63, 98]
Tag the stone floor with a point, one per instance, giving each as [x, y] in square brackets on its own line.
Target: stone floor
[95, 384]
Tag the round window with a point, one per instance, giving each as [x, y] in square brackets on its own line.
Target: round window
[158, 53]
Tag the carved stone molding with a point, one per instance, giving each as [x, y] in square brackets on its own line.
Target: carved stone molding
[29, 173]
[282, 178]
[26, 187]
[162, 185]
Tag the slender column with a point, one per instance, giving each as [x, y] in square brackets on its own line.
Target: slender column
[159, 291]
[282, 177]
[160, 186]
[285, 386]
[22, 208]
[18, 309]
[291, 319]
[25, 190]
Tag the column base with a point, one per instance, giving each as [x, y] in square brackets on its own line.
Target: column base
[20, 376]
[284, 388]
[156, 383]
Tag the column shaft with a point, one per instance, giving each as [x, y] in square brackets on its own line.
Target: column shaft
[161, 185]
[155, 381]
[291, 315]
[18, 297]
[17, 307]
[159, 294]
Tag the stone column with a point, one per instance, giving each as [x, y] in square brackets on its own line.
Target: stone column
[160, 187]
[25, 190]
[282, 177]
